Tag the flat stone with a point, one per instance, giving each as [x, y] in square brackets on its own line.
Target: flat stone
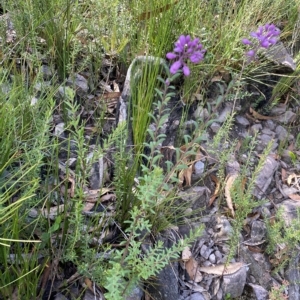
[281, 133]
[196, 296]
[242, 121]
[265, 177]
[293, 275]
[212, 258]
[215, 127]
[287, 117]
[225, 113]
[268, 131]
[165, 285]
[199, 167]
[260, 292]
[205, 251]
[270, 124]
[80, 83]
[258, 270]
[290, 209]
[59, 129]
[233, 284]
[135, 294]
[256, 128]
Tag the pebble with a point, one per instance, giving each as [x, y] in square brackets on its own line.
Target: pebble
[281, 133]
[242, 121]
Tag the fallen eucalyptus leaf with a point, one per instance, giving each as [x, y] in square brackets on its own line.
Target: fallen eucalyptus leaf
[223, 269]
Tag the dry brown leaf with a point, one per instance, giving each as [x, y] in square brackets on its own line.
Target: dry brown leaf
[217, 189]
[71, 190]
[186, 254]
[291, 147]
[229, 183]
[53, 211]
[108, 197]
[283, 175]
[216, 78]
[188, 175]
[255, 249]
[94, 195]
[294, 197]
[199, 155]
[258, 116]
[291, 178]
[110, 95]
[185, 176]
[223, 269]
[88, 283]
[192, 269]
[88, 206]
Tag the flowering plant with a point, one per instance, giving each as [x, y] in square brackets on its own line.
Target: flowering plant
[185, 49]
[264, 37]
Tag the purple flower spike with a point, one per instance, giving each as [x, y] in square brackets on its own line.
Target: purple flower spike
[264, 37]
[246, 42]
[185, 49]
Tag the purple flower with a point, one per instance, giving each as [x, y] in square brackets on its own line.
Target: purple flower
[264, 37]
[185, 49]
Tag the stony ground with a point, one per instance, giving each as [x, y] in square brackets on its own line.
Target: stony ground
[200, 272]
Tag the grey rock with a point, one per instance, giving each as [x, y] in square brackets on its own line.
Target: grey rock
[34, 101]
[197, 196]
[279, 55]
[201, 113]
[259, 271]
[265, 177]
[258, 231]
[270, 124]
[281, 133]
[39, 86]
[5, 87]
[233, 284]
[199, 167]
[259, 291]
[293, 275]
[60, 296]
[212, 258]
[256, 128]
[278, 110]
[59, 129]
[219, 256]
[268, 131]
[215, 127]
[223, 229]
[286, 156]
[165, 285]
[196, 296]
[205, 251]
[242, 121]
[219, 295]
[47, 72]
[225, 112]
[287, 117]
[99, 171]
[88, 295]
[232, 166]
[135, 294]
[80, 83]
[265, 138]
[289, 212]
[289, 190]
